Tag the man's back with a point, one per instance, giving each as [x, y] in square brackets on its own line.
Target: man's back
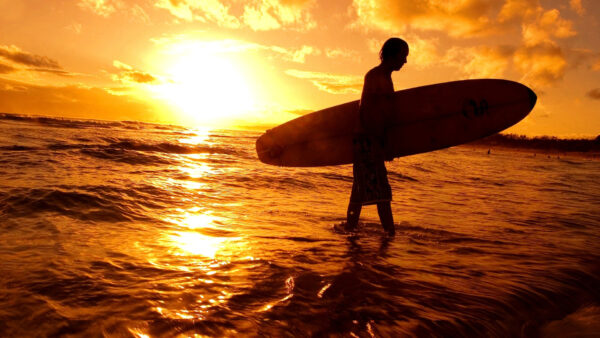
[377, 88]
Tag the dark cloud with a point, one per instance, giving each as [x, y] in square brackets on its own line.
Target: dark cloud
[14, 54]
[594, 94]
[140, 77]
[52, 71]
[5, 69]
[129, 74]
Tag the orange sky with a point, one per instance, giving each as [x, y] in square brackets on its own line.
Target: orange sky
[260, 62]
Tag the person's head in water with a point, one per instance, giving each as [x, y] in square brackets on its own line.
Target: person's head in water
[393, 53]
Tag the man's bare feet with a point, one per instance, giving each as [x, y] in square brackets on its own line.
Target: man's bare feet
[344, 227]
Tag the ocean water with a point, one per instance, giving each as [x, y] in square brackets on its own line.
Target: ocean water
[128, 229]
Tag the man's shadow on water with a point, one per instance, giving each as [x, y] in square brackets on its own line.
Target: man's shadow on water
[365, 291]
[361, 294]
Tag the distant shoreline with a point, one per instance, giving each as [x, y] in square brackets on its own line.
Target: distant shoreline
[543, 145]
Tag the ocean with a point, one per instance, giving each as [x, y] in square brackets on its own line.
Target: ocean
[130, 229]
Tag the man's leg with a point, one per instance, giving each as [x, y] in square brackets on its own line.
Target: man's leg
[385, 216]
[352, 215]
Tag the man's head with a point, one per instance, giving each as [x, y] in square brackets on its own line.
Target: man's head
[394, 52]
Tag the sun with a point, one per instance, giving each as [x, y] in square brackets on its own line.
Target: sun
[207, 87]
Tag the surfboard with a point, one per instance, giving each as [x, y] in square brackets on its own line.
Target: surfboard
[422, 119]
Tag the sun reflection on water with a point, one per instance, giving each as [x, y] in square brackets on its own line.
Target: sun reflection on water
[197, 136]
[197, 244]
[201, 234]
[191, 219]
[138, 333]
[197, 170]
[201, 245]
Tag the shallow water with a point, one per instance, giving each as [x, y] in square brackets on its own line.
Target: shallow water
[133, 229]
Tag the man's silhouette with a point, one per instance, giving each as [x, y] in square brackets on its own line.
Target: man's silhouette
[370, 185]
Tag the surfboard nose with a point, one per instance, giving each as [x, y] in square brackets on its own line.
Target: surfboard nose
[532, 98]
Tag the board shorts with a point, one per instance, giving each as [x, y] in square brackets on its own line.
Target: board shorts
[370, 184]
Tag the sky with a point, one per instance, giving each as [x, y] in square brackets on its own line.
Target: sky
[258, 63]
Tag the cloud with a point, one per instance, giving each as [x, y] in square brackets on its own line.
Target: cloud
[12, 87]
[139, 14]
[596, 65]
[539, 57]
[480, 61]
[59, 72]
[463, 18]
[457, 18]
[260, 20]
[24, 61]
[539, 65]
[581, 56]
[101, 7]
[74, 101]
[547, 25]
[130, 75]
[542, 64]
[577, 6]
[200, 10]
[259, 15]
[423, 51]
[180, 44]
[538, 26]
[16, 55]
[337, 53]
[295, 55]
[594, 94]
[5, 69]
[75, 27]
[274, 14]
[518, 10]
[331, 83]
[536, 53]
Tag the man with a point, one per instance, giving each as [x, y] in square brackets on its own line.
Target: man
[370, 185]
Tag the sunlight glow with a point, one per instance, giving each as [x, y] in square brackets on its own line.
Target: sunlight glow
[198, 170]
[197, 136]
[201, 236]
[198, 244]
[207, 86]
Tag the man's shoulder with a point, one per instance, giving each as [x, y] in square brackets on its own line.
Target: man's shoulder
[374, 72]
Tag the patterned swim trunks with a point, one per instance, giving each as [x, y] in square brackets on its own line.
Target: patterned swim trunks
[370, 183]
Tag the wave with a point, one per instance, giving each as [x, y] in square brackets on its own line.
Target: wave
[172, 148]
[78, 204]
[336, 177]
[129, 151]
[63, 122]
[17, 148]
[162, 147]
[123, 156]
[401, 177]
